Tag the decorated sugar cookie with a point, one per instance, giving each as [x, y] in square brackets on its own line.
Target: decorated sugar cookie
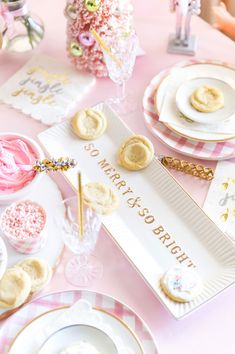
[181, 284]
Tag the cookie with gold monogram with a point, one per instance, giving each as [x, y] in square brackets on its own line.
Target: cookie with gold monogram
[100, 197]
[181, 283]
[135, 153]
[89, 124]
[207, 99]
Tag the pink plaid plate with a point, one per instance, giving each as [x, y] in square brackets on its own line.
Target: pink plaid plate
[197, 149]
[15, 325]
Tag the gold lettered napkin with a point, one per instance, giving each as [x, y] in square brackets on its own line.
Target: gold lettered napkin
[220, 200]
[45, 89]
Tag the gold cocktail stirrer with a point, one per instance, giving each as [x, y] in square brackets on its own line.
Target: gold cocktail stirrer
[105, 47]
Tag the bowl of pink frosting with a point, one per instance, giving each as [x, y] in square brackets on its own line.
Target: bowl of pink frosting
[17, 155]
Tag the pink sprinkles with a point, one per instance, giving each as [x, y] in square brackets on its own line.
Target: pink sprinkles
[23, 220]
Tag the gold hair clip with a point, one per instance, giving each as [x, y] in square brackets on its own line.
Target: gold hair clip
[188, 167]
[60, 164]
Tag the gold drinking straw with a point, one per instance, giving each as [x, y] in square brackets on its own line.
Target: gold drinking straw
[105, 47]
[80, 207]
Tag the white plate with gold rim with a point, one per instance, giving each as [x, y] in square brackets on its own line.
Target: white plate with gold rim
[22, 329]
[157, 224]
[185, 128]
[48, 196]
[78, 335]
[187, 88]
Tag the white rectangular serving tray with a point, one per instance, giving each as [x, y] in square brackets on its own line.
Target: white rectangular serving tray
[157, 223]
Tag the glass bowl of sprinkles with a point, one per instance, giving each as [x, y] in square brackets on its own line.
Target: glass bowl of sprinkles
[23, 224]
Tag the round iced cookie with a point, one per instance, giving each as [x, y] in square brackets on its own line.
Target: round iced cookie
[135, 153]
[181, 284]
[15, 287]
[39, 271]
[80, 348]
[207, 99]
[89, 124]
[100, 197]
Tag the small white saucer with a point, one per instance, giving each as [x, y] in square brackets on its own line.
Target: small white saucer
[188, 87]
[70, 335]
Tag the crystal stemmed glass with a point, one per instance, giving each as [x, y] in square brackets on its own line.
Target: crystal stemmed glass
[82, 268]
[120, 65]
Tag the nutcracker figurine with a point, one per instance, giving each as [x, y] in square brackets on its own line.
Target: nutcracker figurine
[182, 42]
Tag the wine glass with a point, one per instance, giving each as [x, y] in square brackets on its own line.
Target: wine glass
[120, 64]
[82, 268]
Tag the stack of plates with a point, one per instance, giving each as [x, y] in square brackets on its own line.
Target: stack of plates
[208, 144]
[22, 332]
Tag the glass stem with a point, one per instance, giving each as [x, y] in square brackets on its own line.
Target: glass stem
[121, 91]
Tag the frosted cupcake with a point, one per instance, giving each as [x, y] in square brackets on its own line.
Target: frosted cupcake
[23, 224]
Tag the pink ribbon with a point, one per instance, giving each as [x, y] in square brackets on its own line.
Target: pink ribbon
[9, 16]
[8, 19]
[20, 12]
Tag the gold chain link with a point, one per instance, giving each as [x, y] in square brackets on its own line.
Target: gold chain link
[188, 167]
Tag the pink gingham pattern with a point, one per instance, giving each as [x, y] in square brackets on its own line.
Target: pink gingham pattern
[41, 305]
[30, 245]
[200, 150]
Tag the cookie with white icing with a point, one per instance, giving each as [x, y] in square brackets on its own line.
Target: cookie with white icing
[181, 284]
[89, 124]
[135, 153]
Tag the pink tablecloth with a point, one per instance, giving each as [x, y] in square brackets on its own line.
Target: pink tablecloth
[210, 329]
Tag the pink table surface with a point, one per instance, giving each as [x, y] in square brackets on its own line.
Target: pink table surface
[210, 330]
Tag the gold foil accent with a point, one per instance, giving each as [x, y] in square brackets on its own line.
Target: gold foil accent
[225, 185]
[190, 168]
[224, 216]
[48, 76]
